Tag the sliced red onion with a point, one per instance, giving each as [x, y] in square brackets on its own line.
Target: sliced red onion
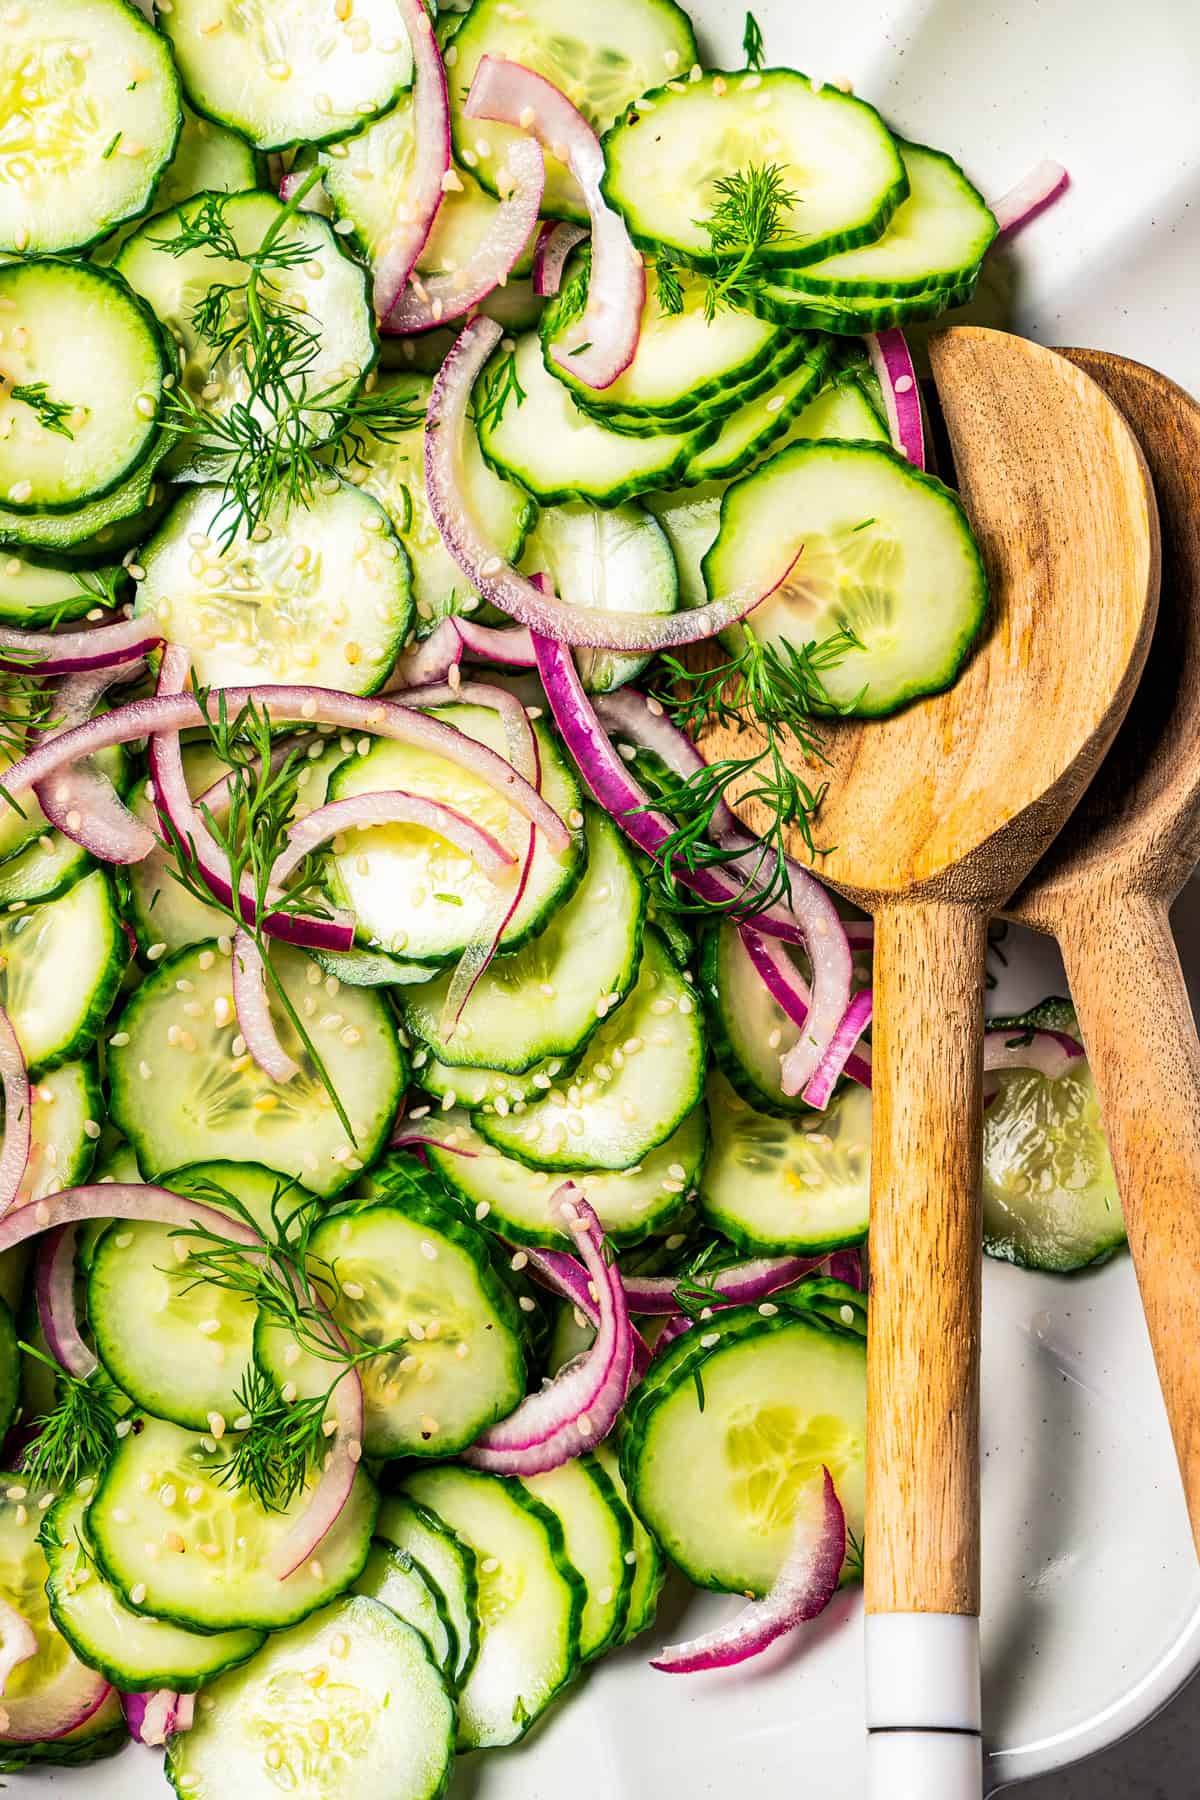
[801, 1591]
[185, 1712]
[832, 1066]
[860, 933]
[217, 797]
[607, 333]
[556, 240]
[1030, 197]
[893, 364]
[457, 639]
[630, 713]
[54, 1287]
[74, 652]
[1050, 1053]
[394, 807]
[431, 163]
[154, 1717]
[316, 198]
[846, 1266]
[431, 300]
[14, 1157]
[741, 1284]
[81, 801]
[18, 1641]
[414, 1134]
[253, 1007]
[51, 1712]
[792, 995]
[332, 1491]
[676, 1326]
[580, 1406]
[559, 1272]
[502, 585]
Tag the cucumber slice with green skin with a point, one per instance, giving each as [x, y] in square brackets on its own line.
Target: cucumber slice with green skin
[489, 1090]
[749, 432]
[600, 61]
[834, 1300]
[102, 527]
[749, 1031]
[644, 1556]
[546, 1000]
[794, 1186]
[1050, 1197]
[616, 558]
[598, 1530]
[834, 154]
[207, 159]
[247, 613]
[42, 871]
[103, 1734]
[852, 315]
[936, 238]
[514, 1200]
[371, 968]
[329, 289]
[559, 453]
[64, 1124]
[888, 554]
[530, 1604]
[65, 327]
[392, 470]
[640, 1077]
[232, 1589]
[412, 893]
[271, 1199]
[10, 1368]
[80, 937]
[793, 347]
[683, 360]
[176, 1104]
[135, 1653]
[36, 593]
[445, 1561]
[397, 1582]
[67, 177]
[348, 1703]
[289, 75]
[414, 1269]
[718, 1481]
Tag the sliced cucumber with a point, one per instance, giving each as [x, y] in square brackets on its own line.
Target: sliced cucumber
[600, 61]
[936, 238]
[615, 558]
[412, 892]
[65, 441]
[207, 159]
[64, 1124]
[754, 428]
[181, 1094]
[719, 1452]
[393, 1578]
[546, 1000]
[79, 936]
[69, 177]
[558, 452]
[489, 1089]
[649, 1569]
[851, 315]
[100, 1735]
[289, 75]
[164, 1482]
[347, 1703]
[614, 1113]
[797, 1185]
[887, 553]
[134, 1653]
[415, 1270]
[630, 1204]
[392, 469]
[835, 156]
[598, 1530]
[271, 1199]
[530, 1603]
[101, 527]
[749, 1031]
[36, 594]
[42, 871]
[1050, 1197]
[445, 1561]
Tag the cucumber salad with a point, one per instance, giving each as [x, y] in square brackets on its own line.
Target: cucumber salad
[436, 1143]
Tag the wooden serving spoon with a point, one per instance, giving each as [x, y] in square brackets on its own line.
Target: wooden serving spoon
[1104, 889]
[937, 814]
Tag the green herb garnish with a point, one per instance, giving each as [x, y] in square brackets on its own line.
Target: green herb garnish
[52, 414]
[79, 1434]
[752, 42]
[500, 385]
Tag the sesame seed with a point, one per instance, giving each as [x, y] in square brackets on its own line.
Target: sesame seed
[156, 951]
[138, 1593]
[847, 1315]
[20, 491]
[482, 1210]
[216, 1425]
[353, 1290]
[526, 1304]
[768, 1310]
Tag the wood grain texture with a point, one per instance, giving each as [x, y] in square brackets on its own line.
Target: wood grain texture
[922, 1522]
[1104, 889]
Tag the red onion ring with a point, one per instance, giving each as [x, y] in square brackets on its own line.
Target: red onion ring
[185, 1712]
[846, 1266]
[829, 1070]
[431, 162]
[454, 640]
[1051, 1053]
[154, 1717]
[394, 807]
[556, 240]
[18, 1100]
[581, 1404]
[431, 300]
[801, 1591]
[81, 802]
[18, 1641]
[611, 324]
[559, 1272]
[75, 652]
[1030, 197]
[790, 991]
[253, 1007]
[741, 1284]
[495, 579]
[332, 1491]
[54, 1287]
[893, 364]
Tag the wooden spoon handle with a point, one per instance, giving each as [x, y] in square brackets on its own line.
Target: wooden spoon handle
[1124, 973]
[922, 1516]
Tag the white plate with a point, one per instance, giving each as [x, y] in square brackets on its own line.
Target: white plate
[1091, 1591]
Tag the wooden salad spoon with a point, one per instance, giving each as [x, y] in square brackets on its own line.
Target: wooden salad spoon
[937, 814]
[1104, 889]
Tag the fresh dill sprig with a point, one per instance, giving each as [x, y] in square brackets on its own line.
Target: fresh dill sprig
[752, 42]
[79, 1434]
[667, 291]
[748, 216]
[854, 1554]
[283, 1442]
[52, 414]
[500, 385]
[252, 835]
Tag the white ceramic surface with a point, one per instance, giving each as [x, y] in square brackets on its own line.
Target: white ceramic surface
[1092, 1596]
